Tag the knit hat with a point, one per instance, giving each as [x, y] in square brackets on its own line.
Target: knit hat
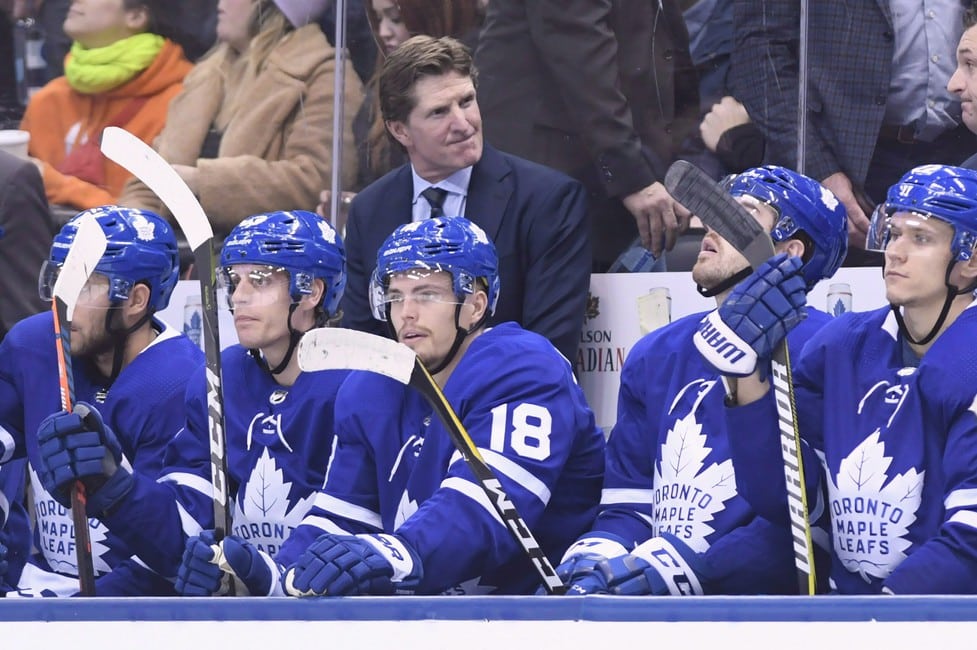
[302, 12]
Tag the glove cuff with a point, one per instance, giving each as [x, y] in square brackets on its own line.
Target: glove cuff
[606, 547]
[722, 348]
[110, 493]
[406, 565]
[672, 565]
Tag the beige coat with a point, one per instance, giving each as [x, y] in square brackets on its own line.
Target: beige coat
[275, 153]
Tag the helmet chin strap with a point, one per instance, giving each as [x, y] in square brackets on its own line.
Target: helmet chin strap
[294, 336]
[951, 293]
[728, 283]
[120, 337]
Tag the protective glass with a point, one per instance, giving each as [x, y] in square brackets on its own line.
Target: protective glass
[880, 226]
[253, 285]
[422, 295]
[95, 289]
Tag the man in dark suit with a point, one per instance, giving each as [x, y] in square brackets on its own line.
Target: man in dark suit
[25, 239]
[603, 90]
[536, 216]
[877, 103]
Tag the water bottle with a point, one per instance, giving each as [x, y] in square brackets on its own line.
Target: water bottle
[193, 319]
[637, 259]
[839, 298]
[654, 309]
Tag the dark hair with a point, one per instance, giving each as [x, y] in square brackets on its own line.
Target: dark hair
[164, 16]
[419, 56]
[970, 16]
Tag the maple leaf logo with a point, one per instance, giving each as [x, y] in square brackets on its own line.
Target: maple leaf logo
[688, 495]
[56, 530]
[870, 517]
[405, 509]
[263, 513]
[593, 306]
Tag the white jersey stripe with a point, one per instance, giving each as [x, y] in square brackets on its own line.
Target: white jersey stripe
[625, 495]
[473, 492]
[965, 518]
[960, 499]
[325, 524]
[348, 510]
[512, 470]
[191, 481]
[6, 445]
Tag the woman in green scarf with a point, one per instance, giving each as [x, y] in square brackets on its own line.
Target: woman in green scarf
[122, 70]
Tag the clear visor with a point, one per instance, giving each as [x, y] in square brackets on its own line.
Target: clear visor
[95, 292]
[429, 288]
[252, 285]
[880, 226]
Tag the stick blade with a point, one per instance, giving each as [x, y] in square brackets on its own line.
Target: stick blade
[142, 161]
[83, 256]
[695, 190]
[335, 348]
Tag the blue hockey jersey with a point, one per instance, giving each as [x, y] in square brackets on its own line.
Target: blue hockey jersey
[395, 469]
[669, 467]
[897, 445]
[144, 407]
[278, 444]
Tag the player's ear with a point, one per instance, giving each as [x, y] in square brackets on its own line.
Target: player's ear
[795, 248]
[398, 130]
[968, 269]
[138, 301]
[479, 303]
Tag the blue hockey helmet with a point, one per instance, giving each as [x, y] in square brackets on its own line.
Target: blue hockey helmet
[451, 244]
[141, 247]
[941, 191]
[301, 242]
[801, 204]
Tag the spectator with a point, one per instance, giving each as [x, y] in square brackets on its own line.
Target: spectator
[535, 216]
[123, 70]
[25, 239]
[877, 99]
[252, 130]
[603, 90]
[963, 82]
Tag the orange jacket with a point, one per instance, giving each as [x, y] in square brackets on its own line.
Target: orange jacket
[57, 112]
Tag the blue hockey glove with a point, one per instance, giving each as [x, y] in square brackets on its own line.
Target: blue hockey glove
[741, 335]
[354, 565]
[79, 445]
[577, 569]
[661, 566]
[208, 566]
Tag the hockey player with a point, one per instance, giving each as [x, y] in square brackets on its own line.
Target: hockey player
[886, 400]
[283, 274]
[400, 510]
[669, 487]
[130, 373]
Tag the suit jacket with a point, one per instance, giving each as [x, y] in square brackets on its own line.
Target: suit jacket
[25, 240]
[535, 216]
[850, 48]
[603, 90]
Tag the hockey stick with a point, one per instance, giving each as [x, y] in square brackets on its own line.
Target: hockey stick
[695, 190]
[330, 348]
[83, 256]
[140, 160]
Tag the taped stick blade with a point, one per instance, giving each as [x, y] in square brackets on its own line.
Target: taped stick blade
[335, 348]
[144, 163]
[83, 256]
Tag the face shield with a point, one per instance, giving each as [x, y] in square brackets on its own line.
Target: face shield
[383, 297]
[254, 285]
[97, 292]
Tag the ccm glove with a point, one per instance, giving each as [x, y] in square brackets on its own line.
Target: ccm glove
[577, 569]
[755, 318]
[661, 566]
[208, 566]
[354, 565]
[80, 446]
